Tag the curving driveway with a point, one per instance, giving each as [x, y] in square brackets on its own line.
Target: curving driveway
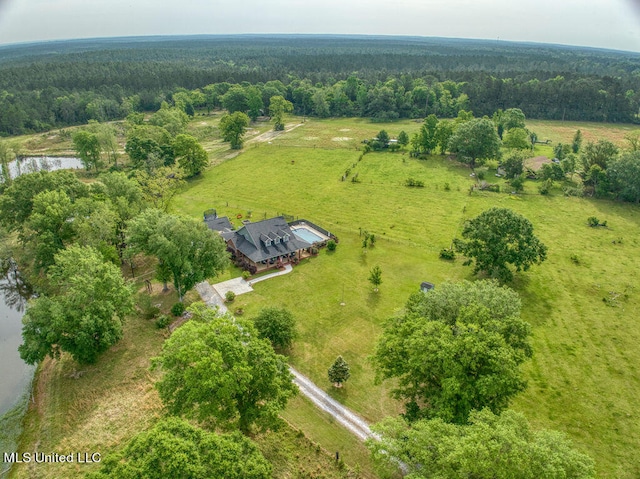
[212, 295]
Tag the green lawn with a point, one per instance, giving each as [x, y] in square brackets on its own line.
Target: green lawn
[583, 378]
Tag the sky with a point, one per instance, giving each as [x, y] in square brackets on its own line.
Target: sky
[611, 24]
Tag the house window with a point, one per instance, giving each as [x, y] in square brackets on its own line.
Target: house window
[276, 241]
[267, 243]
[285, 238]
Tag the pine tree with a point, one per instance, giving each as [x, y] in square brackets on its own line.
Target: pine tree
[339, 372]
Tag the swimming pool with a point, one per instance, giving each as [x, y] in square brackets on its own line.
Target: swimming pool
[307, 235]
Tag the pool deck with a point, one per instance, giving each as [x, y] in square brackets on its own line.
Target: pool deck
[322, 237]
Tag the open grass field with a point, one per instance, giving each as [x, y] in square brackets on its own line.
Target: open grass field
[583, 378]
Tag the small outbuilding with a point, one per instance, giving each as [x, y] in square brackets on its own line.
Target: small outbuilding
[425, 286]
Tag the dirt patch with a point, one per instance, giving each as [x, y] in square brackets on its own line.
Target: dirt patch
[536, 162]
[270, 135]
[341, 138]
[344, 129]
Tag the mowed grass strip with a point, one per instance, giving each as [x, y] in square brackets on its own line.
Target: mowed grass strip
[583, 378]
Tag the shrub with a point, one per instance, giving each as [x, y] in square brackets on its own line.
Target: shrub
[517, 183]
[447, 253]
[545, 187]
[147, 309]
[229, 296]
[163, 321]
[447, 187]
[575, 259]
[331, 245]
[481, 175]
[593, 221]
[492, 164]
[177, 309]
[246, 275]
[411, 182]
[314, 251]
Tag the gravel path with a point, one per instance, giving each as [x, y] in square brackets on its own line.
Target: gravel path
[351, 421]
[354, 423]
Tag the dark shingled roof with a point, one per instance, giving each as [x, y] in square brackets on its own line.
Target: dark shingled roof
[219, 224]
[252, 239]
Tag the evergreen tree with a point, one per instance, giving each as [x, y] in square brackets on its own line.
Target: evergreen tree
[339, 372]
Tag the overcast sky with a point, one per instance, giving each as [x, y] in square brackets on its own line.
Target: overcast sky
[597, 23]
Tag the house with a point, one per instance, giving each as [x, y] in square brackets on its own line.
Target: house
[263, 244]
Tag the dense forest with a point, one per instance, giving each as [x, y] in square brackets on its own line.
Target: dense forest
[56, 84]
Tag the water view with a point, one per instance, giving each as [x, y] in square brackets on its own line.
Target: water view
[16, 375]
[31, 164]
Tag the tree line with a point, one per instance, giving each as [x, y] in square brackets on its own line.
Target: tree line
[322, 77]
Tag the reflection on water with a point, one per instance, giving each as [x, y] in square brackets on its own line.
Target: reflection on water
[14, 290]
[15, 374]
[31, 164]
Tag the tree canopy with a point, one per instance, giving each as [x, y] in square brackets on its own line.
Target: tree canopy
[84, 316]
[173, 448]
[183, 245]
[16, 202]
[491, 447]
[456, 348]
[278, 106]
[475, 141]
[233, 128]
[277, 325]
[624, 176]
[517, 138]
[217, 370]
[497, 238]
[87, 148]
[192, 158]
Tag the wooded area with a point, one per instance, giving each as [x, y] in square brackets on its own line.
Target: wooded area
[58, 84]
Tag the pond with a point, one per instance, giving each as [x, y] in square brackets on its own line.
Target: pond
[30, 164]
[16, 375]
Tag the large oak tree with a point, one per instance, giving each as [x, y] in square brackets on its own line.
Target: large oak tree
[497, 238]
[490, 447]
[173, 448]
[184, 246]
[475, 141]
[456, 348]
[84, 316]
[217, 370]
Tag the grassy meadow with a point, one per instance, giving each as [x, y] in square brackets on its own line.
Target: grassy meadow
[583, 378]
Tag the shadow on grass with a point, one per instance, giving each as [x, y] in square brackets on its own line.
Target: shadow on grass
[339, 394]
[373, 298]
[533, 299]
